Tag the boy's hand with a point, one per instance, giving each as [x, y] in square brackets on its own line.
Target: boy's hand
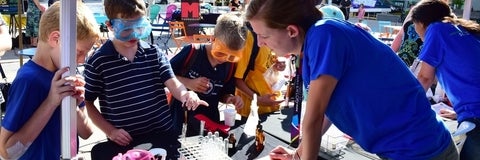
[192, 101]
[120, 136]
[268, 100]
[63, 87]
[235, 100]
[79, 83]
[200, 84]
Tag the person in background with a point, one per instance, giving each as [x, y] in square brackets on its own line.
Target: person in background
[361, 13]
[275, 76]
[235, 5]
[213, 83]
[249, 78]
[31, 127]
[128, 77]
[35, 10]
[345, 7]
[50, 2]
[330, 11]
[5, 37]
[455, 63]
[407, 43]
[355, 80]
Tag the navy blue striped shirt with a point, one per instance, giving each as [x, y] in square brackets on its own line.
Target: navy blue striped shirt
[131, 94]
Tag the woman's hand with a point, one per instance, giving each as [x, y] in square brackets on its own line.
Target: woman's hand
[447, 113]
[282, 153]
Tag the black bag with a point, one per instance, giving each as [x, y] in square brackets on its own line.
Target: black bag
[5, 87]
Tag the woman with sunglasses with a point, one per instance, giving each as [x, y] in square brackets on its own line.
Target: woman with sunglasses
[354, 81]
[210, 73]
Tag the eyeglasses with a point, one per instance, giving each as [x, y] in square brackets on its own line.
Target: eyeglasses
[220, 51]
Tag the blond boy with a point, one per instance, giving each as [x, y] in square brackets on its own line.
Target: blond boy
[31, 128]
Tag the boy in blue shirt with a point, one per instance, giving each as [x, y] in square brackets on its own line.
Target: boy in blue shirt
[31, 128]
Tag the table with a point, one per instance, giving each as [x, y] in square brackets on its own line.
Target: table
[395, 29]
[277, 125]
[30, 52]
[202, 26]
[14, 23]
[100, 18]
[245, 147]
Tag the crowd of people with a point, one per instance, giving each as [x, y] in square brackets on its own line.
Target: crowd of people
[352, 80]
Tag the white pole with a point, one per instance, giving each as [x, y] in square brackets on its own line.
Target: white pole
[467, 9]
[68, 34]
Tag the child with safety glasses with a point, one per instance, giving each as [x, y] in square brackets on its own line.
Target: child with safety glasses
[128, 78]
[208, 70]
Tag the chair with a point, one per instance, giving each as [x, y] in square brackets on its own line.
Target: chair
[154, 11]
[382, 29]
[179, 34]
[163, 28]
[202, 38]
[170, 9]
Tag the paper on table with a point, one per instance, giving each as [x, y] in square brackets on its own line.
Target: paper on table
[439, 106]
[267, 157]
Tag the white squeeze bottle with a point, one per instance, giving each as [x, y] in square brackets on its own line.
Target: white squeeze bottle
[252, 120]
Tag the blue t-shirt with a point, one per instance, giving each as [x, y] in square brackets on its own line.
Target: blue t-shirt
[455, 55]
[28, 91]
[377, 100]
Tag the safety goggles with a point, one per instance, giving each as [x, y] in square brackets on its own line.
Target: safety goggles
[126, 30]
[220, 51]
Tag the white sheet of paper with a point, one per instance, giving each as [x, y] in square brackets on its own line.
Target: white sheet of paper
[437, 107]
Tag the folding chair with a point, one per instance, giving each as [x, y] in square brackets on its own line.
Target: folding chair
[179, 34]
[163, 28]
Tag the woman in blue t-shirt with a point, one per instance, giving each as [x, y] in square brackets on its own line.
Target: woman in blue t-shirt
[451, 52]
[355, 80]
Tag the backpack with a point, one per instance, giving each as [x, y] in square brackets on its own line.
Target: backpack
[253, 56]
[187, 64]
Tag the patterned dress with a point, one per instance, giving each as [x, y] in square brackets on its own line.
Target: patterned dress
[411, 44]
[33, 19]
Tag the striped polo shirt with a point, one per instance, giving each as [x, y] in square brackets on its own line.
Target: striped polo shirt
[131, 94]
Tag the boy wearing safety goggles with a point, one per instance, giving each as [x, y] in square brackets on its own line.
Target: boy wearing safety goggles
[210, 74]
[128, 77]
[31, 127]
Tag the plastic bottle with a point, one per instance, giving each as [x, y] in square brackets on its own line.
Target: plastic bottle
[252, 120]
[232, 141]
[259, 138]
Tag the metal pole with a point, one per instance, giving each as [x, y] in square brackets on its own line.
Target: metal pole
[20, 35]
[68, 34]
[467, 9]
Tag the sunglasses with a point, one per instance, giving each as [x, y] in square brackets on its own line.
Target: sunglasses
[220, 51]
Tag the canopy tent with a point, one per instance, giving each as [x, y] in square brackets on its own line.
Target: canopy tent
[467, 7]
[68, 20]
